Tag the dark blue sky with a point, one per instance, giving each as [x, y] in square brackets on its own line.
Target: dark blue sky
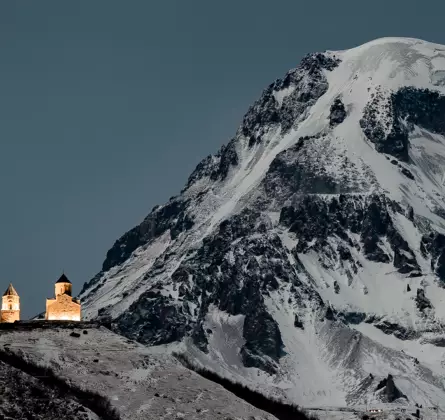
[107, 106]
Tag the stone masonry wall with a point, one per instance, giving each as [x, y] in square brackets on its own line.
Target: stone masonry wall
[62, 308]
[63, 288]
[9, 316]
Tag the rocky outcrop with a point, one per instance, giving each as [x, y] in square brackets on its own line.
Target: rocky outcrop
[433, 246]
[436, 341]
[231, 270]
[306, 83]
[337, 113]
[353, 318]
[388, 390]
[385, 130]
[298, 323]
[215, 167]
[264, 345]
[405, 108]
[173, 217]
[303, 169]
[399, 331]
[422, 107]
[314, 220]
[422, 302]
[154, 319]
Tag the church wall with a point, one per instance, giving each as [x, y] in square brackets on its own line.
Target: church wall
[62, 308]
[11, 303]
[9, 316]
[10, 308]
[62, 288]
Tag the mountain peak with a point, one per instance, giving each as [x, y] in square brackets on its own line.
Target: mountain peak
[393, 62]
[287, 257]
[397, 40]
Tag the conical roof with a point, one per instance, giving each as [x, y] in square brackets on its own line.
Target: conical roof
[63, 279]
[10, 291]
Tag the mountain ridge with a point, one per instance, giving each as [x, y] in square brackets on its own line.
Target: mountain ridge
[306, 229]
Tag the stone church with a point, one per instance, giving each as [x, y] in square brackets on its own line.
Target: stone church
[62, 307]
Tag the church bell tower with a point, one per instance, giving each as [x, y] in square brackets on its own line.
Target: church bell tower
[10, 311]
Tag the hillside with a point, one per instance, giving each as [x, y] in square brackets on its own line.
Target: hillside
[136, 382]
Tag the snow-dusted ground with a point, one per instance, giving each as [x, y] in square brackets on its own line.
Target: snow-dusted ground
[25, 397]
[374, 411]
[147, 383]
[139, 383]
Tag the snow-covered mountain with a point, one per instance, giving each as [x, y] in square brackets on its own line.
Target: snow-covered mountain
[307, 257]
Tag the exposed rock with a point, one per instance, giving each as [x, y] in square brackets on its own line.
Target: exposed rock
[292, 171]
[330, 314]
[390, 392]
[236, 287]
[433, 244]
[389, 136]
[407, 173]
[338, 113]
[314, 220]
[172, 216]
[436, 341]
[227, 158]
[263, 341]
[199, 338]
[153, 319]
[309, 82]
[336, 287]
[422, 302]
[397, 330]
[353, 318]
[298, 323]
[422, 107]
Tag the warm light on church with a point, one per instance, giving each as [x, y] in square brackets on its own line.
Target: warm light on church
[62, 307]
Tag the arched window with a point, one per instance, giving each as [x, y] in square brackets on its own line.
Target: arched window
[10, 307]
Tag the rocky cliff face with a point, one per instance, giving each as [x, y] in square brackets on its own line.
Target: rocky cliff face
[308, 255]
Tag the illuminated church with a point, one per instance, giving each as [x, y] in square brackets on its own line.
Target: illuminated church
[63, 307]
